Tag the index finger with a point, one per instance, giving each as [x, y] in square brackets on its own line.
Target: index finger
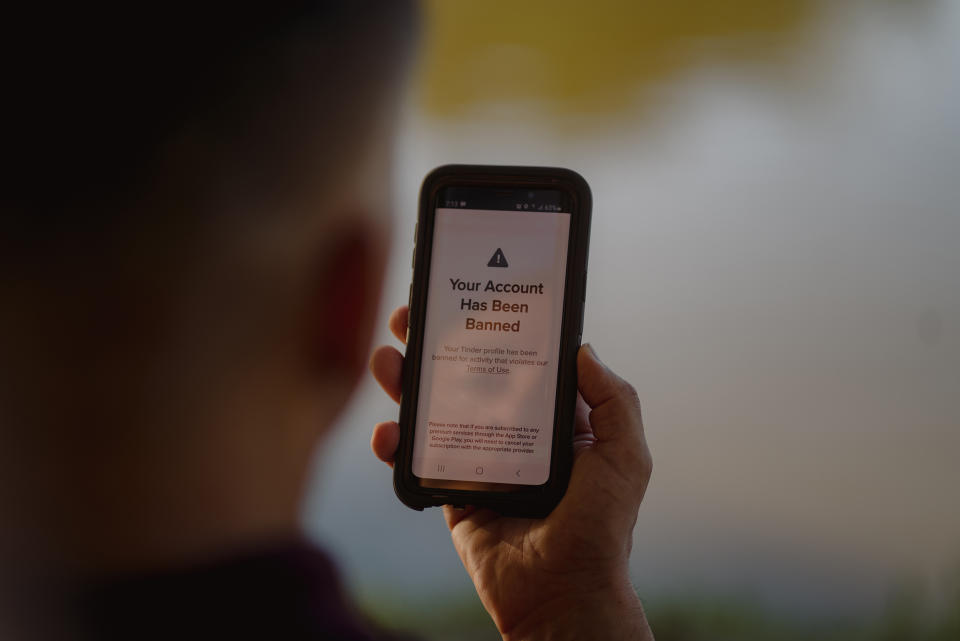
[399, 321]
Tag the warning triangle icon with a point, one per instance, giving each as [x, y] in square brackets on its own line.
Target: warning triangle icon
[498, 259]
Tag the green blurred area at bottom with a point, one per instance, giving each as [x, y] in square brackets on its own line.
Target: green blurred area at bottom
[911, 614]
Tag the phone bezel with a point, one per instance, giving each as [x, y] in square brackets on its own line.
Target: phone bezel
[521, 500]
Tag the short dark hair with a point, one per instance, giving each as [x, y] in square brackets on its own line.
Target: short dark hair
[94, 91]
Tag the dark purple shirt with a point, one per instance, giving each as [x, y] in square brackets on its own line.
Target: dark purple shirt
[287, 592]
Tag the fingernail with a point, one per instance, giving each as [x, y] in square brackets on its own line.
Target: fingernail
[593, 351]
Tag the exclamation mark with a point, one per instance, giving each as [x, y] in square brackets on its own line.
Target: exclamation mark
[498, 259]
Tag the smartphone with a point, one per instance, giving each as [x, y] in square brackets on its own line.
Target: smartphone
[496, 316]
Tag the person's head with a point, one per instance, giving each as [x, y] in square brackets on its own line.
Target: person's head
[192, 241]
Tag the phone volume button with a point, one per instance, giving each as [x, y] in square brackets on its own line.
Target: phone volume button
[413, 259]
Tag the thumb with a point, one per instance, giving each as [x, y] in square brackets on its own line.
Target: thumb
[614, 404]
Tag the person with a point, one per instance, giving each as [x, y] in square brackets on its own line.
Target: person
[195, 225]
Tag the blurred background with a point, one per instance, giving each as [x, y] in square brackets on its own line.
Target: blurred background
[775, 265]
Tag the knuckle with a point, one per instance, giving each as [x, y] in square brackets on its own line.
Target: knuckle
[642, 464]
[646, 464]
[628, 392]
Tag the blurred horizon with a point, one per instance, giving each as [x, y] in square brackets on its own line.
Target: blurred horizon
[774, 264]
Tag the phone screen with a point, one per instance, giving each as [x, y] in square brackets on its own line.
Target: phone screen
[488, 377]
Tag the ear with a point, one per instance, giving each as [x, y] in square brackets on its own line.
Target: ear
[344, 301]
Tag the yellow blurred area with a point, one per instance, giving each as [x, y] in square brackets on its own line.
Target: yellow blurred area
[596, 57]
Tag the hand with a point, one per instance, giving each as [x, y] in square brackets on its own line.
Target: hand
[564, 576]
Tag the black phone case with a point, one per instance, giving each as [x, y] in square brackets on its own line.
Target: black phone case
[533, 501]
